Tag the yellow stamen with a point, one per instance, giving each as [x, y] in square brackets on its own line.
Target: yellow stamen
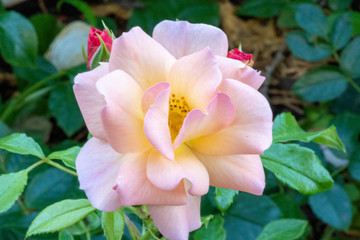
[178, 109]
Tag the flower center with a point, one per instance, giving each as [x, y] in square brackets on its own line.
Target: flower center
[178, 109]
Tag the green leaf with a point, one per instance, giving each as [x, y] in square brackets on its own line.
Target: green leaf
[18, 40]
[154, 11]
[59, 216]
[352, 191]
[68, 156]
[224, 198]
[321, 84]
[355, 22]
[21, 144]
[213, 231]
[284, 229]
[65, 235]
[337, 5]
[286, 129]
[83, 7]
[298, 167]
[301, 48]
[11, 186]
[48, 187]
[113, 224]
[261, 8]
[247, 216]
[46, 28]
[311, 18]
[64, 108]
[341, 32]
[288, 206]
[350, 58]
[332, 207]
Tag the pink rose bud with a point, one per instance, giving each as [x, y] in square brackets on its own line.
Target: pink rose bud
[241, 56]
[98, 50]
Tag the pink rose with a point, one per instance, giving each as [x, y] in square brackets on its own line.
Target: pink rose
[94, 44]
[171, 115]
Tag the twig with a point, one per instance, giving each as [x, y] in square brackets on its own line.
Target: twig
[270, 69]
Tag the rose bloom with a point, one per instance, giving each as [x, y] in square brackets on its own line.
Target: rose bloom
[170, 115]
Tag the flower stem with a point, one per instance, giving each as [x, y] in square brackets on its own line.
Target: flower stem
[54, 164]
[17, 102]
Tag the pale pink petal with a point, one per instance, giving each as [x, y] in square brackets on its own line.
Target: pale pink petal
[235, 69]
[156, 125]
[90, 100]
[175, 222]
[134, 188]
[141, 57]
[151, 94]
[239, 172]
[97, 165]
[182, 38]
[122, 116]
[251, 130]
[166, 174]
[195, 77]
[219, 114]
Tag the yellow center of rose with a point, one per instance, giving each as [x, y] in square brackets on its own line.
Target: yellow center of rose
[178, 109]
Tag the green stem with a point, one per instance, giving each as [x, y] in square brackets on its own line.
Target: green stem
[88, 236]
[15, 103]
[348, 78]
[134, 232]
[54, 164]
[148, 234]
[328, 233]
[35, 165]
[339, 170]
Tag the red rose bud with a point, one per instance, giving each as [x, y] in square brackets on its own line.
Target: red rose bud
[99, 47]
[241, 56]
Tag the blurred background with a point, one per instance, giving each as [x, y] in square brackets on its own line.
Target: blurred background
[308, 50]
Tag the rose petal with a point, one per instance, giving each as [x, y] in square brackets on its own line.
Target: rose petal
[156, 127]
[97, 166]
[234, 69]
[151, 94]
[134, 188]
[182, 38]
[239, 172]
[175, 222]
[122, 116]
[220, 113]
[90, 100]
[196, 78]
[166, 174]
[251, 130]
[141, 57]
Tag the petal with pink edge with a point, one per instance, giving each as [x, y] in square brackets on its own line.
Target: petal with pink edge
[97, 166]
[182, 38]
[175, 222]
[219, 114]
[151, 93]
[156, 127]
[195, 77]
[90, 100]
[134, 188]
[239, 172]
[166, 174]
[251, 130]
[234, 69]
[141, 57]
[122, 116]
